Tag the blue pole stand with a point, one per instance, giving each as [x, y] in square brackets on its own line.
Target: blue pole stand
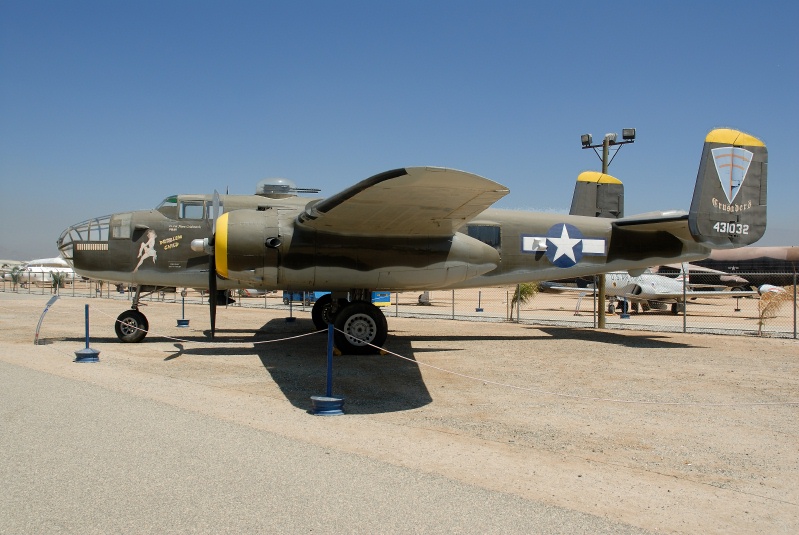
[183, 322]
[625, 310]
[328, 405]
[87, 354]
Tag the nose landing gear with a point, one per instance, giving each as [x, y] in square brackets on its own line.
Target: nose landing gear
[131, 326]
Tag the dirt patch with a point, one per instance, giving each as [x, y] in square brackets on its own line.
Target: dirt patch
[673, 432]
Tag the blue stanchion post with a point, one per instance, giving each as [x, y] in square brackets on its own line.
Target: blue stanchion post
[328, 405]
[183, 322]
[87, 354]
[329, 390]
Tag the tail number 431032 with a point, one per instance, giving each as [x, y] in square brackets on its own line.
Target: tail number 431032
[722, 227]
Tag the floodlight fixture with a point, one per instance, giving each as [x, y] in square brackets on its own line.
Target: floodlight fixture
[586, 140]
[611, 138]
[628, 134]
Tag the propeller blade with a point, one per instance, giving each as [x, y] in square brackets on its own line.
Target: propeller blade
[216, 205]
[212, 291]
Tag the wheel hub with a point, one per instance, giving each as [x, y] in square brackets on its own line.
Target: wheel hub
[128, 326]
[360, 330]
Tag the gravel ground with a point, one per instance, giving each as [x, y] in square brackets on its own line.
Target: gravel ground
[558, 429]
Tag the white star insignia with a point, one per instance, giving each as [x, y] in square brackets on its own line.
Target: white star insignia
[565, 245]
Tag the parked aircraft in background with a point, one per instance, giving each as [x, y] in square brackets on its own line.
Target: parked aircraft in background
[39, 271]
[7, 265]
[758, 265]
[704, 277]
[418, 228]
[649, 291]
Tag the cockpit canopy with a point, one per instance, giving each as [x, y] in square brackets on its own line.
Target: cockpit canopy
[188, 207]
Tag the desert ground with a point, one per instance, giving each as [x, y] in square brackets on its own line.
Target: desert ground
[638, 431]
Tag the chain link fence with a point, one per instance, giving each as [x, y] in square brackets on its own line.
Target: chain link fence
[771, 313]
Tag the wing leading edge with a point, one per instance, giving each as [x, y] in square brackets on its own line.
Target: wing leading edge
[413, 201]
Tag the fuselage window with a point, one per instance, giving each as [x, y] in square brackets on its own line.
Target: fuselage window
[192, 210]
[120, 226]
[488, 234]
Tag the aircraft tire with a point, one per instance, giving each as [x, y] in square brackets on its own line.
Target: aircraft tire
[362, 324]
[322, 312]
[611, 308]
[677, 308]
[131, 326]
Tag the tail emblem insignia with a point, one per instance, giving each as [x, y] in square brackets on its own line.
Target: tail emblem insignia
[732, 164]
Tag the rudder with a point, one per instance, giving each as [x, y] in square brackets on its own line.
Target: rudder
[729, 205]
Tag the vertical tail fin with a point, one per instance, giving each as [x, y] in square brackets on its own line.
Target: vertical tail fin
[598, 195]
[729, 205]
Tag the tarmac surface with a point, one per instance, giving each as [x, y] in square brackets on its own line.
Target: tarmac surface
[543, 430]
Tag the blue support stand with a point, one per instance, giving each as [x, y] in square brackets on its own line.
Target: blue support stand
[183, 322]
[625, 310]
[87, 354]
[328, 405]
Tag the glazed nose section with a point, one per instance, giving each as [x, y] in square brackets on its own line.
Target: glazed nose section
[79, 235]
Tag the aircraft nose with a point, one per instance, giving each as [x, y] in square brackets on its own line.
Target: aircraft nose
[95, 229]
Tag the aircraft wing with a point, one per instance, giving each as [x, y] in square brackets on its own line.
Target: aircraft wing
[412, 201]
[691, 294]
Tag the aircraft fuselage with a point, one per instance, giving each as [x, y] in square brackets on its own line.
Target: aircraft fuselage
[266, 248]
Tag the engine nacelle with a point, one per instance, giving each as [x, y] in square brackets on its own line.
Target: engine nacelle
[248, 246]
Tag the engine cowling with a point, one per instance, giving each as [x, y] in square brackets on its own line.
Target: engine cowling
[248, 245]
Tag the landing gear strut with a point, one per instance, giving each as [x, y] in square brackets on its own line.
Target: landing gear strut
[131, 326]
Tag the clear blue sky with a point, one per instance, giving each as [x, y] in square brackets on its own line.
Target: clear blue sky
[108, 106]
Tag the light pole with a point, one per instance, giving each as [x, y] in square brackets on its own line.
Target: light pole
[628, 136]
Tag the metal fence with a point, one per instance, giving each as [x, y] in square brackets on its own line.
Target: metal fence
[770, 314]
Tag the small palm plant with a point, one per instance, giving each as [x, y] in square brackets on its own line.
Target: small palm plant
[770, 304]
[58, 280]
[16, 277]
[524, 293]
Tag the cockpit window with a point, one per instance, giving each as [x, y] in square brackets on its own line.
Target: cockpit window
[169, 202]
[192, 210]
[169, 207]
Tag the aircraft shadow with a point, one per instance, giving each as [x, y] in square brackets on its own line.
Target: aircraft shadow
[369, 384]
[643, 341]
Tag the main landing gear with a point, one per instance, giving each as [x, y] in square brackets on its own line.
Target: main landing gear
[359, 324]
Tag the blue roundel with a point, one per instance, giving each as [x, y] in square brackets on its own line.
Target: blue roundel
[564, 245]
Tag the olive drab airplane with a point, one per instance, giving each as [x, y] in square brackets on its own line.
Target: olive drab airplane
[417, 228]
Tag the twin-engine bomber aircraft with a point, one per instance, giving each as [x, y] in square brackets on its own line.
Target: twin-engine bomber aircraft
[418, 228]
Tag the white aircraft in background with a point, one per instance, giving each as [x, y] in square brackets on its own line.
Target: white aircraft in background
[648, 291]
[39, 271]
